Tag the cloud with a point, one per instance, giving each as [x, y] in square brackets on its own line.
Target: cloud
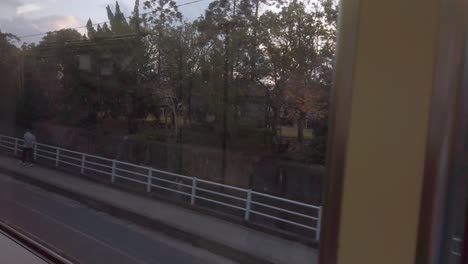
[27, 8]
[65, 22]
[8, 7]
[22, 26]
[11, 3]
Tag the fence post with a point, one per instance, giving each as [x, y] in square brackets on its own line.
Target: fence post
[57, 157]
[83, 160]
[16, 146]
[194, 191]
[319, 224]
[247, 205]
[113, 171]
[150, 180]
[35, 152]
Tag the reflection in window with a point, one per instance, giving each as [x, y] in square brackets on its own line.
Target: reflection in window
[238, 96]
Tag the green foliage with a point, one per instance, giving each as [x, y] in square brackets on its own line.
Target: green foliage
[164, 13]
[298, 44]
[60, 37]
[118, 22]
[317, 149]
[8, 52]
[205, 72]
[9, 69]
[136, 20]
[91, 30]
[7, 48]
[32, 106]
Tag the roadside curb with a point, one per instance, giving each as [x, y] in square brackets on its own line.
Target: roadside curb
[159, 226]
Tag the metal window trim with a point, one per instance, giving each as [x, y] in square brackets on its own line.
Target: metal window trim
[339, 123]
[444, 123]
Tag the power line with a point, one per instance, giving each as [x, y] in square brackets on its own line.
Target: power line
[100, 40]
[94, 24]
[100, 23]
[96, 40]
[80, 44]
[189, 3]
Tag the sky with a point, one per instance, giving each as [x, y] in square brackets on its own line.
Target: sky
[28, 17]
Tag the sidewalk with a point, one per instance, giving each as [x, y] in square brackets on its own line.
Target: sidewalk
[224, 238]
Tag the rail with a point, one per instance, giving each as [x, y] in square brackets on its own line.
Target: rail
[249, 203]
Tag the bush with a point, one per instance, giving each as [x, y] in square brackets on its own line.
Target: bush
[318, 150]
[32, 106]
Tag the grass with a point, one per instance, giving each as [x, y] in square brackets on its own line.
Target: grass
[291, 132]
[244, 140]
[288, 132]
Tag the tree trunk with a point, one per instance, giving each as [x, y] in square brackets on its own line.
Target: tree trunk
[189, 102]
[253, 61]
[166, 122]
[300, 127]
[274, 123]
[130, 110]
[226, 108]
[174, 121]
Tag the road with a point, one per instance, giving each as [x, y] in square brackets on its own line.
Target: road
[89, 236]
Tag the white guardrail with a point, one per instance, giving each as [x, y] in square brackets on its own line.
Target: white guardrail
[248, 202]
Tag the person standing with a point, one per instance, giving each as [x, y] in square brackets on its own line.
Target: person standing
[28, 148]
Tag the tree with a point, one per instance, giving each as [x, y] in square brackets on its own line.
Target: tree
[303, 100]
[118, 22]
[161, 41]
[135, 20]
[218, 25]
[164, 13]
[8, 52]
[234, 53]
[7, 43]
[298, 43]
[60, 37]
[11, 84]
[122, 45]
[91, 30]
[225, 27]
[32, 106]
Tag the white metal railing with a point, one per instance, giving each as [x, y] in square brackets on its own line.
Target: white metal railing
[247, 201]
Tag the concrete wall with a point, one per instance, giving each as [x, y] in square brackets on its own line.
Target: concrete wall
[298, 181]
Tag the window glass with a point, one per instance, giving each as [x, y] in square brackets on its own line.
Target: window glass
[205, 118]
